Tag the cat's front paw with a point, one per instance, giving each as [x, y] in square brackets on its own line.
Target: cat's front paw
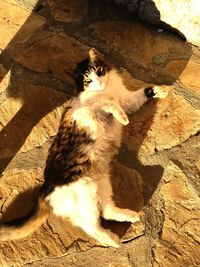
[160, 91]
[123, 119]
[149, 92]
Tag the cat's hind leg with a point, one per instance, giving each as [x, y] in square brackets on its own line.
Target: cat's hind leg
[111, 212]
[85, 213]
[104, 236]
[108, 208]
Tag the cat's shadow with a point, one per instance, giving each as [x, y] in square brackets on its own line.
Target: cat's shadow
[21, 205]
[133, 183]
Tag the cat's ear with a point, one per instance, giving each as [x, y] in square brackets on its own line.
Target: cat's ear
[94, 55]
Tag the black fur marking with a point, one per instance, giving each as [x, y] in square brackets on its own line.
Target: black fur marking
[101, 71]
[149, 92]
[85, 67]
[81, 69]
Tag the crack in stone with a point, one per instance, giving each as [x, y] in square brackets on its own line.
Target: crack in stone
[166, 150]
[129, 259]
[52, 34]
[53, 83]
[191, 219]
[188, 209]
[4, 202]
[75, 242]
[60, 256]
[193, 238]
[171, 246]
[55, 234]
[132, 238]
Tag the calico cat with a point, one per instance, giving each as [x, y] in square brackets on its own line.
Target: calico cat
[77, 173]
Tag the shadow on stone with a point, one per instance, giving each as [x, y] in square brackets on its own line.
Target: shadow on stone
[133, 183]
[21, 205]
[146, 11]
[37, 100]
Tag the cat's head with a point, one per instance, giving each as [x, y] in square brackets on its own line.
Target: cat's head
[92, 73]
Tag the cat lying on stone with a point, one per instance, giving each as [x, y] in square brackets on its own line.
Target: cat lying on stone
[77, 174]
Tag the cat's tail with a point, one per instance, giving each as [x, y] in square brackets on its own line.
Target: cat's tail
[25, 226]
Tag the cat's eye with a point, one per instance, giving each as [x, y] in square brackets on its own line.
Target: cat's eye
[87, 81]
[100, 71]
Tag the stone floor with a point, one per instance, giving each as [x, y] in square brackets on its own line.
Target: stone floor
[157, 170]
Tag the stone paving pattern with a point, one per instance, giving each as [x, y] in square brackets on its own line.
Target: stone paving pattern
[157, 170]
[180, 16]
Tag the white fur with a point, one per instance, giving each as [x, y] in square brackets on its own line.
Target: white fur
[101, 113]
[84, 117]
[79, 202]
[129, 101]
[68, 200]
[98, 83]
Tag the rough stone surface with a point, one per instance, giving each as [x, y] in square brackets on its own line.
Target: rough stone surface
[68, 11]
[135, 38]
[180, 15]
[186, 77]
[37, 101]
[174, 118]
[157, 170]
[12, 18]
[198, 165]
[150, 51]
[180, 230]
[62, 54]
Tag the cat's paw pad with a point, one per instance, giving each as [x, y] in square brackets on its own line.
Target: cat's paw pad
[150, 92]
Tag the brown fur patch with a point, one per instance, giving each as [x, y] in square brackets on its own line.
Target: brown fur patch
[66, 163]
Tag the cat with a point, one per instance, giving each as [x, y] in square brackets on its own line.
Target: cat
[77, 173]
